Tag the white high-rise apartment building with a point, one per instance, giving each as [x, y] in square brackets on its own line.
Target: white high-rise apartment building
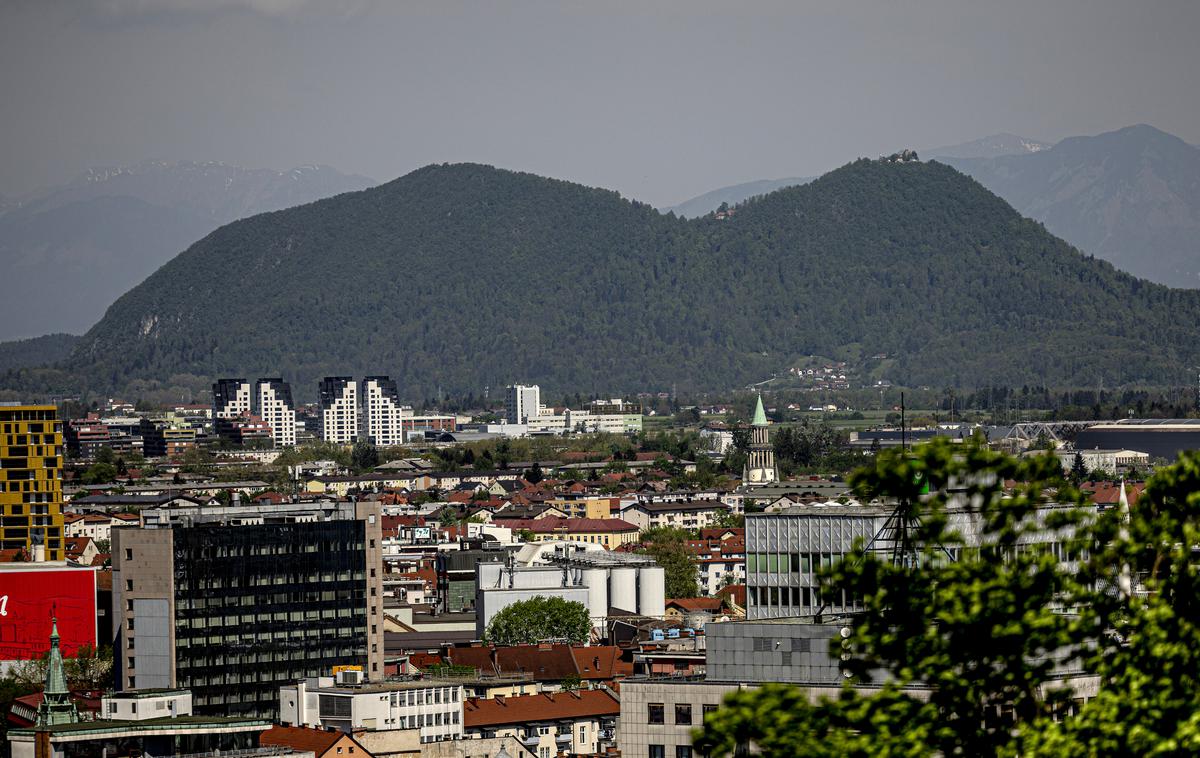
[275, 406]
[522, 403]
[382, 415]
[231, 398]
[339, 409]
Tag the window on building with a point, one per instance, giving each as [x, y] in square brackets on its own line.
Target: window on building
[708, 708]
[657, 751]
[683, 713]
[655, 713]
[129, 554]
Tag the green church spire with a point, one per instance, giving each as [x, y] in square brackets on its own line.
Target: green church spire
[57, 706]
[760, 415]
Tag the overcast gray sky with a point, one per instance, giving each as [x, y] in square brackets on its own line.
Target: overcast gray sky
[661, 101]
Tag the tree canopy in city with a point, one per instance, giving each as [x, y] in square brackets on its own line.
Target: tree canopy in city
[538, 619]
[982, 631]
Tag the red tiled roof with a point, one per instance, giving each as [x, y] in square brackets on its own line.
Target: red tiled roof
[316, 741]
[734, 592]
[424, 660]
[600, 662]
[1107, 493]
[74, 546]
[716, 532]
[691, 604]
[547, 706]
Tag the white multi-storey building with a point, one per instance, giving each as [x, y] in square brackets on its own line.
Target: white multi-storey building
[370, 711]
[522, 402]
[275, 407]
[231, 398]
[339, 409]
[382, 419]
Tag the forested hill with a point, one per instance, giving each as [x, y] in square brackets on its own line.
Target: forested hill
[461, 276]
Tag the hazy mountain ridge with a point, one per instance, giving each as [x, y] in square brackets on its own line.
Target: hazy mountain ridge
[461, 276]
[996, 144]
[732, 195]
[1131, 197]
[38, 351]
[82, 245]
[991, 146]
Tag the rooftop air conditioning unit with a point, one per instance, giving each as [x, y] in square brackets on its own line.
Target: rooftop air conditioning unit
[350, 676]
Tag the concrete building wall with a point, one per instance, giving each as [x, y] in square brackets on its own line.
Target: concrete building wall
[772, 652]
[142, 571]
[635, 732]
[371, 514]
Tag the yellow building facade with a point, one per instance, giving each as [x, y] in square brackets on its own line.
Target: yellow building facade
[31, 458]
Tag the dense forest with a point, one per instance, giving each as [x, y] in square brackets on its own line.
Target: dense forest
[458, 277]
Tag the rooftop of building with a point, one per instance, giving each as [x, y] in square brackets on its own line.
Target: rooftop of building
[683, 505]
[316, 741]
[576, 525]
[177, 723]
[525, 709]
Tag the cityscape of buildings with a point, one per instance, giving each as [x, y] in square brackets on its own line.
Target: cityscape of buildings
[349, 609]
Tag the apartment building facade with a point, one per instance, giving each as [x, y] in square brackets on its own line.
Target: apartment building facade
[273, 400]
[338, 399]
[382, 415]
[31, 449]
[232, 603]
[231, 398]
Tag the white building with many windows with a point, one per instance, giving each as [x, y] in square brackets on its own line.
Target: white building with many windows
[231, 398]
[273, 398]
[522, 402]
[432, 711]
[383, 416]
[338, 396]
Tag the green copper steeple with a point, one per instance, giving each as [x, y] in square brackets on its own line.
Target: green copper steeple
[57, 706]
[760, 415]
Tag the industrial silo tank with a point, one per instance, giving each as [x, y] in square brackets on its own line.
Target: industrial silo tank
[622, 588]
[652, 583]
[596, 581]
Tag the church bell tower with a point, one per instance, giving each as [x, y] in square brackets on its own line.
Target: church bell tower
[760, 465]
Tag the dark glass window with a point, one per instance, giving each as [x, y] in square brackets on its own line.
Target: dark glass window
[683, 713]
[655, 713]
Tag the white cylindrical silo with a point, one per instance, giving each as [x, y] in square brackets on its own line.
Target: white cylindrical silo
[596, 581]
[622, 589]
[652, 584]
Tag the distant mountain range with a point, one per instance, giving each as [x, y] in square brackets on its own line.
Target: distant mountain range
[732, 195]
[464, 276]
[1131, 197]
[987, 147]
[69, 252]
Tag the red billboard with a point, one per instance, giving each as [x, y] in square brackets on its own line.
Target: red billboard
[30, 596]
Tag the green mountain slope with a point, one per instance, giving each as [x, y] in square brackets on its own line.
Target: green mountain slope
[36, 351]
[738, 193]
[461, 276]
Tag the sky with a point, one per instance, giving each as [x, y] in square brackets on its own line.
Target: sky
[658, 100]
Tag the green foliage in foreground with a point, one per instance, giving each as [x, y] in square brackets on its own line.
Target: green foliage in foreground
[981, 631]
[538, 619]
